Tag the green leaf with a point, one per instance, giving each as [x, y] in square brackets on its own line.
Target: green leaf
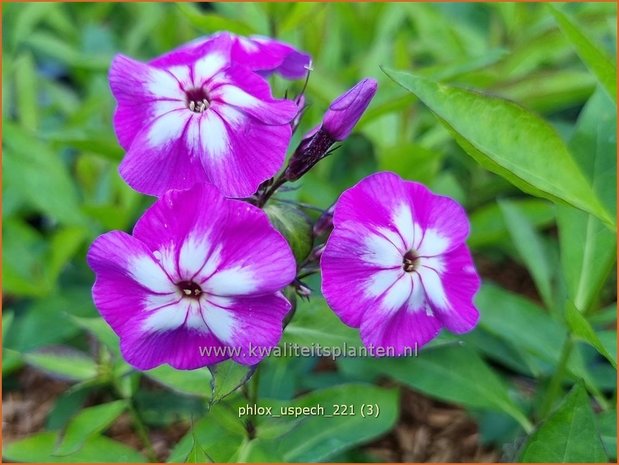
[92, 142]
[192, 382]
[594, 57]
[315, 323]
[488, 224]
[29, 16]
[217, 436]
[227, 377]
[531, 248]
[607, 423]
[101, 330]
[496, 138]
[39, 448]
[583, 330]
[88, 423]
[294, 225]
[11, 360]
[587, 246]
[521, 322]
[71, 365]
[47, 320]
[66, 406]
[211, 22]
[258, 451]
[411, 161]
[547, 92]
[7, 321]
[568, 435]
[23, 258]
[39, 175]
[62, 247]
[317, 438]
[27, 91]
[455, 374]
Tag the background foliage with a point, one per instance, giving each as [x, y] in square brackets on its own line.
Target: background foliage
[537, 176]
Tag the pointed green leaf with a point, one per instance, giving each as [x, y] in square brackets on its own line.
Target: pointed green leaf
[87, 423]
[488, 225]
[192, 382]
[531, 248]
[315, 323]
[607, 423]
[227, 377]
[455, 374]
[317, 438]
[583, 330]
[71, 365]
[569, 435]
[594, 57]
[587, 246]
[508, 140]
[217, 436]
[39, 448]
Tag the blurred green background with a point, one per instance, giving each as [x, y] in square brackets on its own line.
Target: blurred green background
[61, 189]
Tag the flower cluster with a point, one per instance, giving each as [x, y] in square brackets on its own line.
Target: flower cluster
[204, 267]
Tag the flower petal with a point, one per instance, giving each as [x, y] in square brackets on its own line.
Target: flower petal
[255, 258]
[268, 55]
[379, 202]
[256, 153]
[451, 288]
[138, 88]
[251, 94]
[250, 326]
[129, 280]
[189, 53]
[358, 266]
[183, 348]
[443, 221]
[184, 228]
[159, 159]
[403, 331]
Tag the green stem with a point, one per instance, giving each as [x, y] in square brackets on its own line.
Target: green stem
[255, 386]
[252, 397]
[142, 432]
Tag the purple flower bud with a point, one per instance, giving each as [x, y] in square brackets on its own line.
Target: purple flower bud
[314, 147]
[338, 122]
[346, 110]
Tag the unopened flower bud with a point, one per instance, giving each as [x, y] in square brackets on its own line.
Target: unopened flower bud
[314, 147]
[346, 110]
[339, 120]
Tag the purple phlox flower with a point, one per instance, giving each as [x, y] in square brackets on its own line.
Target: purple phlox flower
[198, 282]
[396, 264]
[193, 116]
[338, 122]
[258, 53]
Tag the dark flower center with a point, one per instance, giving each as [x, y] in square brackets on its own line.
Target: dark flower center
[197, 100]
[190, 289]
[410, 261]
